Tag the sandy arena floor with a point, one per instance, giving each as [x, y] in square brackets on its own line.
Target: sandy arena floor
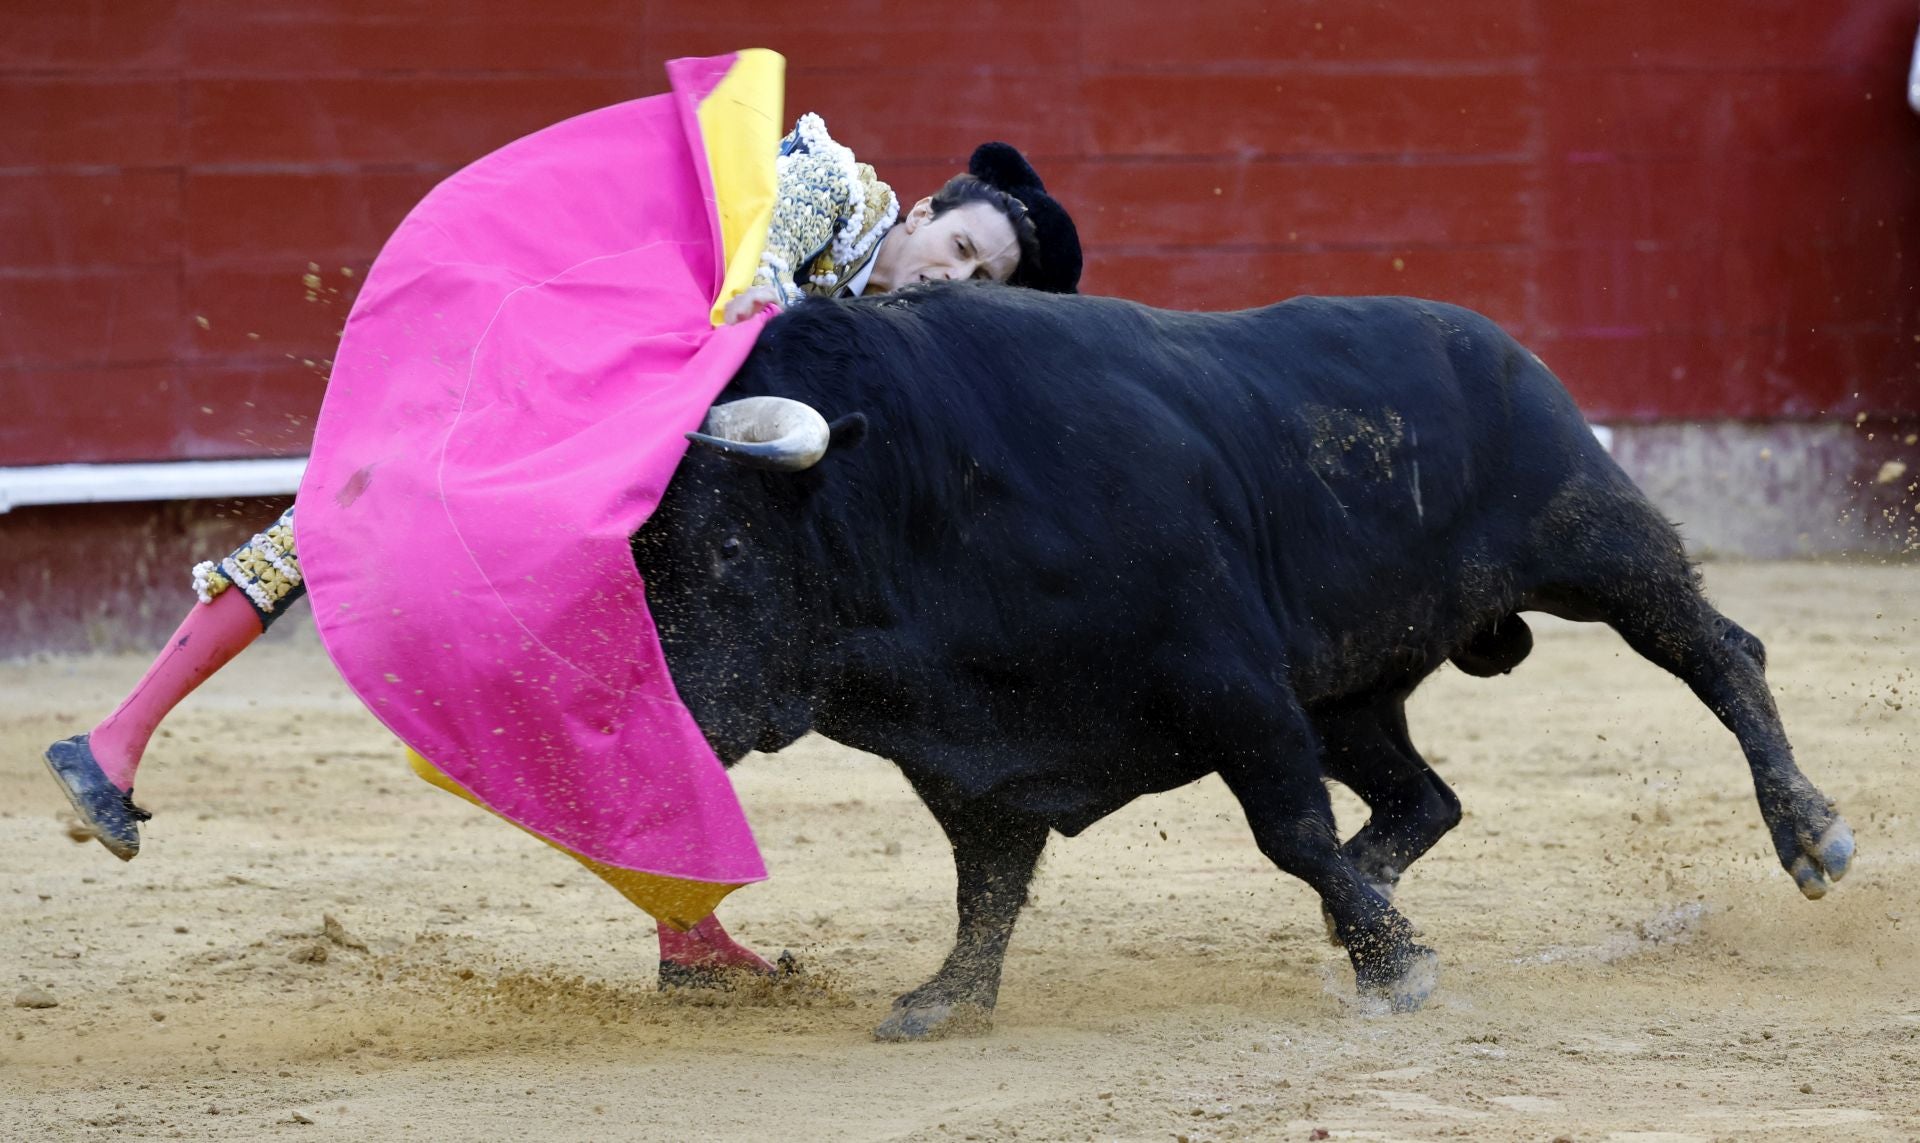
[1622, 958]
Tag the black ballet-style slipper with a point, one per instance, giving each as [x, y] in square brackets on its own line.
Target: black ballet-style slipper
[104, 808]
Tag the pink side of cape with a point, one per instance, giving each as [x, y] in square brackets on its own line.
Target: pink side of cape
[506, 408]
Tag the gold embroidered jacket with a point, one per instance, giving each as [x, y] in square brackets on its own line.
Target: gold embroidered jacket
[829, 214]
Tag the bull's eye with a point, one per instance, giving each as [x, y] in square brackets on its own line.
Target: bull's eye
[730, 548]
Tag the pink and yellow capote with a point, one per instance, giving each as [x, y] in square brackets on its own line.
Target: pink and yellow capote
[506, 408]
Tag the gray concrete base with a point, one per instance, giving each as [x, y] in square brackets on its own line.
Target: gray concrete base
[1771, 490]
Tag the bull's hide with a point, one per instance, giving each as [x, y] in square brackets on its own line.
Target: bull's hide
[1065, 551]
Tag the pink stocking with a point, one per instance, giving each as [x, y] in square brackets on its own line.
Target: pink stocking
[212, 635]
[707, 945]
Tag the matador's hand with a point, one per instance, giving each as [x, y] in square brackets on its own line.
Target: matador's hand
[747, 303]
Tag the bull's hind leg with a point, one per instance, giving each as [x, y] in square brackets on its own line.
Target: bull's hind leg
[1725, 667]
[994, 855]
[1366, 748]
[1285, 799]
[1635, 578]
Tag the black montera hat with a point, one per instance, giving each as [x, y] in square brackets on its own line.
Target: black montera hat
[1057, 269]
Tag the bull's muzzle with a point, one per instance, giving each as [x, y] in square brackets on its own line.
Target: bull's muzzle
[766, 432]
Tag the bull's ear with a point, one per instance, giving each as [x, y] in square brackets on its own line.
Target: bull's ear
[846, 432]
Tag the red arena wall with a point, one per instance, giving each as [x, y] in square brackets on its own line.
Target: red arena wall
[1694, 211]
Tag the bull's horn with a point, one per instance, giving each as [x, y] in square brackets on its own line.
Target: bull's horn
[766, 432]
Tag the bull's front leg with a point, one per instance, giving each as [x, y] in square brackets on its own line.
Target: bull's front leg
[994, 855]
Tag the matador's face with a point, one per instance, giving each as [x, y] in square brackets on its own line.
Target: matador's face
[972, 240]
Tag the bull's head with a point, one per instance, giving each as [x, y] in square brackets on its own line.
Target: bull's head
[733, 583]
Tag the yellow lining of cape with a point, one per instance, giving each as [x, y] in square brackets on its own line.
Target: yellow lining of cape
[740, 125]
[680, 904]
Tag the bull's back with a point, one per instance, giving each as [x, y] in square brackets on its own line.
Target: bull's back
[1324, 445]
[1314, 475]
[1374, 423]
[1370, 471]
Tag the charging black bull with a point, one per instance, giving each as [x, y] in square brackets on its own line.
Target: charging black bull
[1048, 554]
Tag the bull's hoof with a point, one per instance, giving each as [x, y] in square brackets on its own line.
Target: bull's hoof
[1408, 990]
[934, 1020]
[1824, 862]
